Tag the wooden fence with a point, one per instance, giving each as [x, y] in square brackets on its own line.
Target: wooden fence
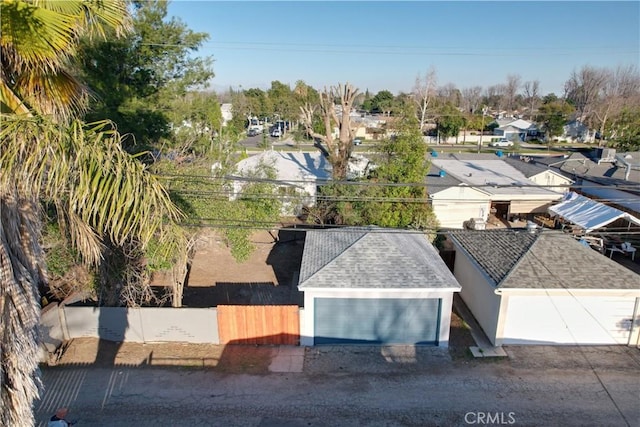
[263, 324]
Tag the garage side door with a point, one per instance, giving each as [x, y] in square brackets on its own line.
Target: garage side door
[376, 321]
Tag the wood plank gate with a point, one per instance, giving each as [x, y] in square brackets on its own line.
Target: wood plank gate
[259, 324]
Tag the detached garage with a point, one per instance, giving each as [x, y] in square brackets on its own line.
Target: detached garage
[544, 287]
[374, 286]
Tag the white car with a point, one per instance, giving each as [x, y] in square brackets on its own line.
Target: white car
[501, 143]
[276, 133]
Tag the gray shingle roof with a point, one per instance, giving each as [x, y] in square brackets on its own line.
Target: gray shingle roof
[495, 251]
[436, 183]
[372, 258]
[518, 259]
[586, 166]
[528, 169]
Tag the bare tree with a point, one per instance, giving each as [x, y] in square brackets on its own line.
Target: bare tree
[620, 89]
[494, 96]
[424, 94]
[338, 149]
[450, 94]
[583, 89]
[532, 95]
[471, 97]
[511, 89]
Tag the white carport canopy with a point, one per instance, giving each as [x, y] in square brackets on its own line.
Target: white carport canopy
[587, 213]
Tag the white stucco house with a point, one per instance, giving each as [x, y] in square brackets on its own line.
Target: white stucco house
[374, 286]
[299, 175]
[543, 287]
[464, 186]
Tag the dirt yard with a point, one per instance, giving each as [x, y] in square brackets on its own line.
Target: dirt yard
[269, 276]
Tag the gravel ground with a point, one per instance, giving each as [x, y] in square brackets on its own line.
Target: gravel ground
[363, 386]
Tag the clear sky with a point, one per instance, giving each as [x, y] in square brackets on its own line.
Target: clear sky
[386, 44]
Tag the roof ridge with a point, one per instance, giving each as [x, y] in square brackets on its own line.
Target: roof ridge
[338, 255]
[521, 257]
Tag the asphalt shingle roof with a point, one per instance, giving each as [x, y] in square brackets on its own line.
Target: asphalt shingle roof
[519, 259]
[372, 258]
[586, 166]
[495, 251]
[436, 183]
[528, 169]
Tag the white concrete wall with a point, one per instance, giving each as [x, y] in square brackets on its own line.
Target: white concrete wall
[147, 324]
[568, 319]
[462, 139]
[478, 293]
[307, 332]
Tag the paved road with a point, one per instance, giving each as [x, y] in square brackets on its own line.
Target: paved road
[364, 387]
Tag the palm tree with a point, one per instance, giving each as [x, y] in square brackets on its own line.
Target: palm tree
[100, 192]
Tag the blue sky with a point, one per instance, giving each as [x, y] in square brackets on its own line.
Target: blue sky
[386, 44]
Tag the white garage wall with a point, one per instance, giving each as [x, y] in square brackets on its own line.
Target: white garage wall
[478, 294]
[568, 319]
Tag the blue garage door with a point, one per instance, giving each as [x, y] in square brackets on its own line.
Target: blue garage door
[376, 321]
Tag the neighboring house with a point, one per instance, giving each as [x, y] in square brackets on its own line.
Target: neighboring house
[540, 174]
[227, 113]
[374, 286]
[544, 287]
[300, 174]
[602, 174]
[453, 202]
[578, 131]
[465, 186]
[515, 129]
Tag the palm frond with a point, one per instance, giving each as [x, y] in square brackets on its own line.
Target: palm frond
[38, 38]
[86, 169]
[10, 102]
[34, 37]
[59, 94]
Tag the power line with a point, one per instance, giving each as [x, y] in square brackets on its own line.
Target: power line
[284, 182]
[403, 50]
[226, 195]
[265, 225]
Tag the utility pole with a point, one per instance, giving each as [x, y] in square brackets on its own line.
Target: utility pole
[484, 111]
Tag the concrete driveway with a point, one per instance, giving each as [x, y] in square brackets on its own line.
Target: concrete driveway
[363, 386]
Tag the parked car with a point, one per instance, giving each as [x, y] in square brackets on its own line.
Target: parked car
[357, 141]
[253, 132]
[501, 143]
[276, 133]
